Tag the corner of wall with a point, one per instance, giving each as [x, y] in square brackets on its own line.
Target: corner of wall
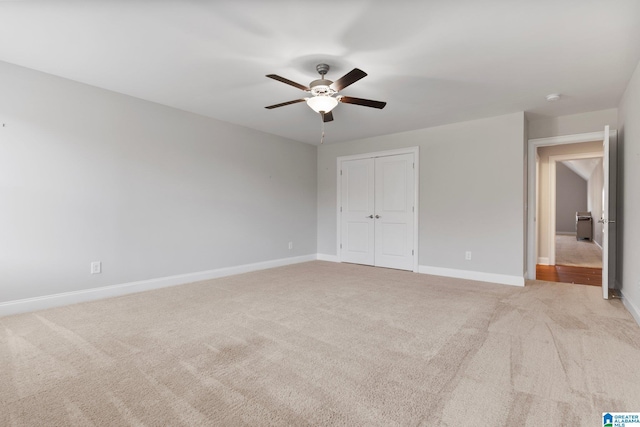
[631, 308]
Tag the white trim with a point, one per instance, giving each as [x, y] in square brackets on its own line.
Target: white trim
[631, 307]
[533, 145]
[552, 195]
[416, 176]
[385, 153]
[416, 206]
[66, 298]
[543, 260]
[502, 279]
[566, 233]
[326, 257]
[597, 244]
[570, 139]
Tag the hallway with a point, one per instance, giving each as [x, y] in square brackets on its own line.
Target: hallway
[569, 274]
[577, 261]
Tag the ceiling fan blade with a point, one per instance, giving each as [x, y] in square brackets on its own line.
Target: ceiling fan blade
[348, 79]
[327, 117]
[270, 107]
[360, 101]
[287, 81]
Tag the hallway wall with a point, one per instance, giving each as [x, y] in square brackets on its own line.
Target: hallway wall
[571, 197]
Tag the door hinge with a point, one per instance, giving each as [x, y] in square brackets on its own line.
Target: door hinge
[340, 172]
[340, 245]
[414, 165]
[340, 208]
[413, 208]
[412, 252]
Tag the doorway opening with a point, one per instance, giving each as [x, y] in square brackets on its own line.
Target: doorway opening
[573, 187]
[569, 227]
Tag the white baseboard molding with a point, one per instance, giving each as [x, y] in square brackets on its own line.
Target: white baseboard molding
[597, 244]
[502, 279]
[66, 298]
[543, 260]
[631, 307]
[330, 258]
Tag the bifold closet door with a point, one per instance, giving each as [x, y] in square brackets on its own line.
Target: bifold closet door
[377, 196]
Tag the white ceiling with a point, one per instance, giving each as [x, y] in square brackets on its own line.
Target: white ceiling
[583, 167]
[433, 61]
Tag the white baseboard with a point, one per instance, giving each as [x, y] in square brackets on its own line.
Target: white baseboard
[502, 279]
[331, 258]
[543, 260]
[597, 244]
[631, 307]
[66, 298]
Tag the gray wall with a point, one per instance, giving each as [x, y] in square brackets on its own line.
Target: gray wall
[594, 121]
[571, 196]
[471, 192]
[629, 194]
[87, 174]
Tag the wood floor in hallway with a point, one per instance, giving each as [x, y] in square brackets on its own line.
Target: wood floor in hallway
[569, 274]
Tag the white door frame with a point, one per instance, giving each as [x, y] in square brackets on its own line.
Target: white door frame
[416, 176]
[532, 148]
[552, 195]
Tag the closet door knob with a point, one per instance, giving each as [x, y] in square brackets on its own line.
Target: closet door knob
[370, 216]
[377, 216]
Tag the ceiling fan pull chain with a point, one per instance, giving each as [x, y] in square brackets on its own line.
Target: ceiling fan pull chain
[322, 137]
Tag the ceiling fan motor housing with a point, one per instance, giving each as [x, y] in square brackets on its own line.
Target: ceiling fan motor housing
[321, 87]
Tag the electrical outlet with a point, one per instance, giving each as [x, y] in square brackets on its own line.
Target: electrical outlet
[290, 245]
[467, 255]
[96, 267]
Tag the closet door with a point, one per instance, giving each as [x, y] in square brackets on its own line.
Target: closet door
[394, 205]
[357, 216]
[377, 211]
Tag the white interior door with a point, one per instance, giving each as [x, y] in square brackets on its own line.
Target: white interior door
[357, 216]
[607, 220]
[394, 200]
[377, 211]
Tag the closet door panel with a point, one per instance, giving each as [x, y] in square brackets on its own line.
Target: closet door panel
[394, 221]
[356, 218]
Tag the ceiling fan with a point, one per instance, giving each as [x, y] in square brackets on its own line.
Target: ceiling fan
[324, 93]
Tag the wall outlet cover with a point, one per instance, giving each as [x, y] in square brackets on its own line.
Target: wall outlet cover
[96, 267]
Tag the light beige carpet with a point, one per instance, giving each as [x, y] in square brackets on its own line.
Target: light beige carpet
[577, 253]
[324, 344]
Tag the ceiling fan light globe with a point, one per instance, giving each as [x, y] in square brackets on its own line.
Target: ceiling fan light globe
[322, 103]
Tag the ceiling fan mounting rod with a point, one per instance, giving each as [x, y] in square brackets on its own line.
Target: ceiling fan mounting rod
[322, 86]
